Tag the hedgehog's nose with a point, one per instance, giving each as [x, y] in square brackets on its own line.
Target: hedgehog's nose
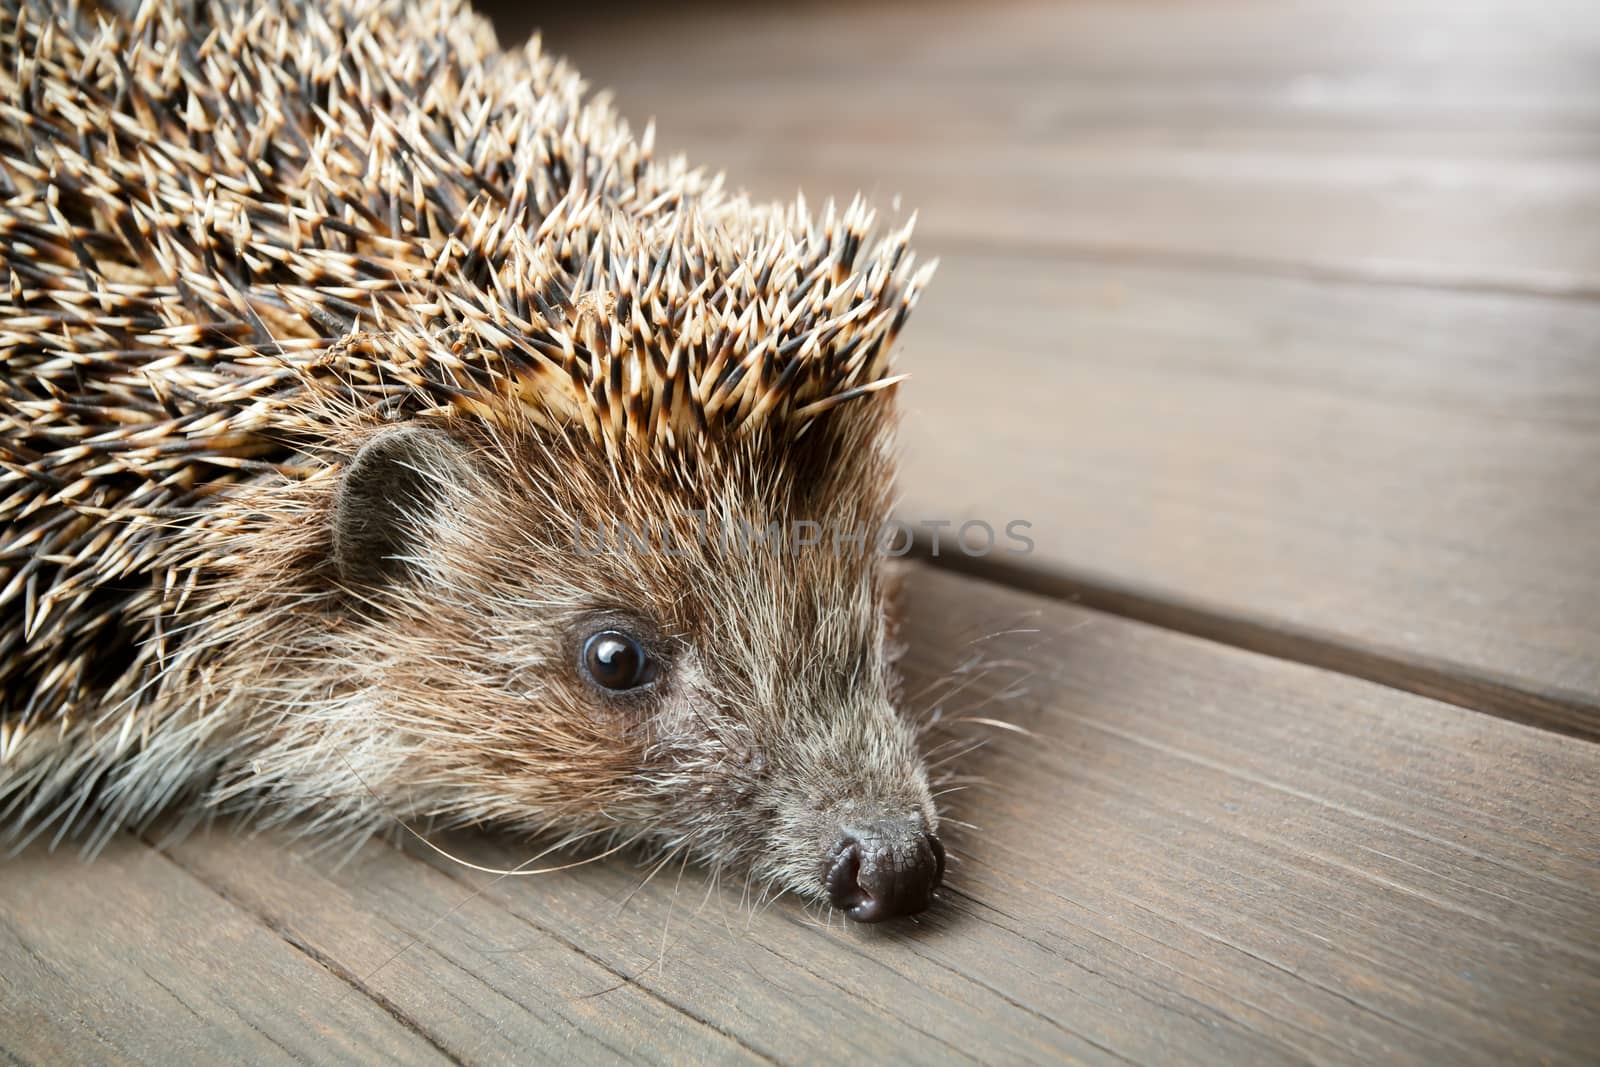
[884, 871]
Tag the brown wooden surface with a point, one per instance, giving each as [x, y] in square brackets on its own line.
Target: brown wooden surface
[1167, 329]
[1278, 321]
[135, 961]
[1202, 854]
[1400, 483]
[1427, 141]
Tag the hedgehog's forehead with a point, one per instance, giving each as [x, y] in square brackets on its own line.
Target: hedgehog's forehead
[834, 469]
[750, 536]
[762, 590]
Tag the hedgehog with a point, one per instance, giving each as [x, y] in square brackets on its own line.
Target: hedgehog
[333, 338]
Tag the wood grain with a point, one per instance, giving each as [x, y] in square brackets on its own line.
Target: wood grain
[130, 960]
[485, 984]
[1411, 142]
[1406, 482]
[1201, 854]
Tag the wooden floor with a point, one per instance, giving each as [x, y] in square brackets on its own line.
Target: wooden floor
[1281, 323]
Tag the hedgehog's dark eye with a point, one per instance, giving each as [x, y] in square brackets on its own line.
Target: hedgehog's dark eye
[613, 660]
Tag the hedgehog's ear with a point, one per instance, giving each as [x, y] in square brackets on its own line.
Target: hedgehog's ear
[401, 483]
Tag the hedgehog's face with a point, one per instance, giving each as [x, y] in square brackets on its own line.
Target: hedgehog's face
[662, 656]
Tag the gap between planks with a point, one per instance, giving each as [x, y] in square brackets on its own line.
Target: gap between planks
[361, 985]
[351, 980]
[1572, 716]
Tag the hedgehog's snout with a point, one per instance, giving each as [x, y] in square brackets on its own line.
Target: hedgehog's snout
[884, 870]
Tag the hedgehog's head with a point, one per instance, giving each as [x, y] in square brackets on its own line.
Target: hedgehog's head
[691, 649]
[633, 582]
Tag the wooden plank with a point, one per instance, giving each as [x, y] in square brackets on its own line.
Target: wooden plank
[130, 960]
[1201, 854]
[484, 984]
[1402, 54]
[1407, 142]
[1409, 478]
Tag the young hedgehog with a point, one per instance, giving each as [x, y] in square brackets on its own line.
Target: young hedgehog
[330, 336]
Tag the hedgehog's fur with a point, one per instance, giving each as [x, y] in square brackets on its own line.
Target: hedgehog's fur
[241, 242]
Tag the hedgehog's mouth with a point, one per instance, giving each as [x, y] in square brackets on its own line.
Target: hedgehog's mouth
[884, 870]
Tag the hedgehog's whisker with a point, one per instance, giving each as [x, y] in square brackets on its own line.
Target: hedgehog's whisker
[960, 753]
[507, 872]
[997, 724]
[668, 858]
[683, 851]
[666, 926]
[474, 895]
